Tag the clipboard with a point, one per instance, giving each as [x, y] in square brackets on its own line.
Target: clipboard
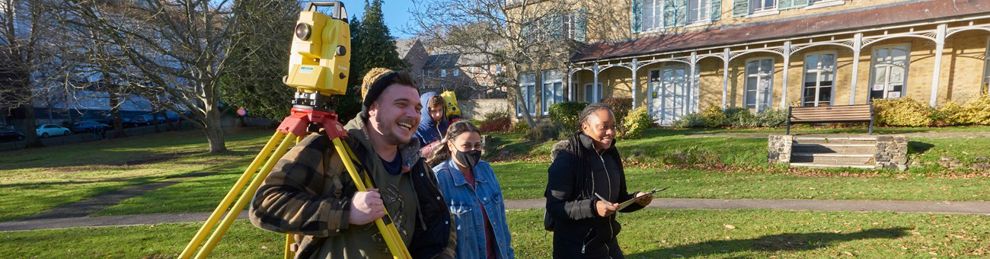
[625, 204]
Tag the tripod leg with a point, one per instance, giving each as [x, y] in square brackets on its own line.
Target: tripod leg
[246, 197]
[229, 198]
[289, 254]
[389, 232]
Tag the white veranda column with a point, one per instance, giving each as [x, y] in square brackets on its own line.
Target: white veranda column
[939, 45]
[787, 64]
[594, 86]
[693, 88]
[635, 89]
[570, 84]
[857, 47]
[725, 78]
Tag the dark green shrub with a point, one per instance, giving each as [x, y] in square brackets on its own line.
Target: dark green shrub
[693, 120]
[771, 118]
[520, 126]
[543, 132]
[739, 118]
[565, 115]
[620, 108]
[714, 117]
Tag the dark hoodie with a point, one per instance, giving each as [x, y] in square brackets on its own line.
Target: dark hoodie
[576, 174]
[429, 131]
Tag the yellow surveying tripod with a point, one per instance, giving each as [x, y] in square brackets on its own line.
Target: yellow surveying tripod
[318, 68]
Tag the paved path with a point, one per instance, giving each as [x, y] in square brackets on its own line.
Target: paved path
[921, 134]
[967, 207]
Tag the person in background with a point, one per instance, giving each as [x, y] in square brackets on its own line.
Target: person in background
[473, 194]
[585, 185]
[453, 111]
[432, 123]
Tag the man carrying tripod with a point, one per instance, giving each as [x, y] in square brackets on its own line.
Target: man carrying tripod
[308, 192]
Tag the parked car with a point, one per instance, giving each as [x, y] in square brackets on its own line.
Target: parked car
[144, 119]
[49, 130]
[89, 126]
[8, 133]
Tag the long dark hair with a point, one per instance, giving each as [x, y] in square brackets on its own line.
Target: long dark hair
[442, 153]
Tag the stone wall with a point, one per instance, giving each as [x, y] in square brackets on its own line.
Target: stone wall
[477, 108]
[892, 152]
[779, 148]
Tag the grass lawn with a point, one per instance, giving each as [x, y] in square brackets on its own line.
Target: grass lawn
[35, 180]
[526, 180]
[521, 180]
[651, 233]
[747, 148]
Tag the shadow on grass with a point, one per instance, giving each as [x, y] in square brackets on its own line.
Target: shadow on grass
[916, 147]
[772, 243]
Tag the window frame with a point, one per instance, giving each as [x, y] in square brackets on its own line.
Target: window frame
[705, 9]
[528, 89]
[835, 76]
[657, 15]
[587, 96]
[746, 75]
[815, 4]
[677, 112]
[907, 70]
[763, 9]
[548, 80]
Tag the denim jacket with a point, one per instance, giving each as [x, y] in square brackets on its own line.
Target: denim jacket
[463, 203]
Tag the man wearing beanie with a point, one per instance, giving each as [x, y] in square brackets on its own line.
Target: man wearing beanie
[310, 194]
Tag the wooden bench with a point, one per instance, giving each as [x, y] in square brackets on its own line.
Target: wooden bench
[831, 114]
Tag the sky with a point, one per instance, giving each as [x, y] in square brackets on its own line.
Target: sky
[396, 13]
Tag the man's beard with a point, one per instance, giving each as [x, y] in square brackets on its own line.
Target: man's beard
[391, 137]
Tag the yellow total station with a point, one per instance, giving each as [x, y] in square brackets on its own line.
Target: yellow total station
[321, 51]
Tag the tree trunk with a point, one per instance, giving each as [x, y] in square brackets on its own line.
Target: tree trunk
[214, 131]
[118, 125]
[30, 123]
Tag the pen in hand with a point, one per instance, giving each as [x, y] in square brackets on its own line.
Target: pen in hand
[601, 198]
[604, 207]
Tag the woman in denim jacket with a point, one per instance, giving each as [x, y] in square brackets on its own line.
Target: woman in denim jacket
[473, 194]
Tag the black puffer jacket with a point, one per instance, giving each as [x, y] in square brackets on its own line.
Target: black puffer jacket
[576, 172]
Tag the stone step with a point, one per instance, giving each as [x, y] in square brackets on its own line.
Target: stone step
[835, 159]
[831, 165]
[835, 148]
[835, 140]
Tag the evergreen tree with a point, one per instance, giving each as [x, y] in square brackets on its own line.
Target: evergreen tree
[372, 46]
[376, 43]
[348, 105]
